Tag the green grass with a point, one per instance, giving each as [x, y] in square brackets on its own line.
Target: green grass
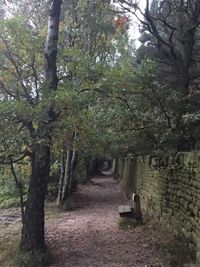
[10, 256]
[127, 223]
[33, 259]
[9, 241]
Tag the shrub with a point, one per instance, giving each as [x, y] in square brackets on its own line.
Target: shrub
[9, 195]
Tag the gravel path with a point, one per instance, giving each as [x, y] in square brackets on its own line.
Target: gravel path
[89, 236]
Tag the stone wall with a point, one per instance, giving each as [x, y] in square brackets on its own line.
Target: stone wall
[169, 189]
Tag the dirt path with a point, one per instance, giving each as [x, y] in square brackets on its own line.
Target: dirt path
[9, 216]
[89, 236]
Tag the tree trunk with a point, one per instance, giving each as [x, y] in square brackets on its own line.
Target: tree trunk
[71, 181]
[64, 177]
[61, 181]
[67, 178]
[33, 237]
[20, 188]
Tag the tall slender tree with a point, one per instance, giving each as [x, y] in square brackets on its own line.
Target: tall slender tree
[33, 237]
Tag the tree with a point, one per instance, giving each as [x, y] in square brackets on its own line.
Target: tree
[86, 42]
[170, 35]
[33, 237]
[28, 90]
[73, 106]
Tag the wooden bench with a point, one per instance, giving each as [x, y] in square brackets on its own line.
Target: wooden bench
[133, 211]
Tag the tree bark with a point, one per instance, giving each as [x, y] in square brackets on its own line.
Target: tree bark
[61, 181]
[64, 178]
[33, 237]
[71, 181]
[50, 52]
[20, 188]
[67, 178]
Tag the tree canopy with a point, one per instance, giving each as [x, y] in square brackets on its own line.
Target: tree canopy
[74, 88]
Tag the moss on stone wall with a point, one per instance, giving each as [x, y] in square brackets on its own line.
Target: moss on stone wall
[169, 189]
[120, 168]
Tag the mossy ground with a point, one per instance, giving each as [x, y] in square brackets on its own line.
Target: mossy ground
[33, 259]
[10, 238]
[175, 251]
[126, 223]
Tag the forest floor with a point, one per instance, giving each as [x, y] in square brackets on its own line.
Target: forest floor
[89, 235]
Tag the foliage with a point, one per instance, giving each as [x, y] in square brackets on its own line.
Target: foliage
[173, 41]
[103, 95]
[110, 99]
[33, 259]
[9, 196]
[9, 192]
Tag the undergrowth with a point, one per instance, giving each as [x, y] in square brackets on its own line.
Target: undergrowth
[9, 196]
[176, 250]
[9, 242]
[33, 259]
[69, 204]
[126, 223]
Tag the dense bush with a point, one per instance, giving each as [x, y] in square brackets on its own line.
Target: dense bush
[9, 195]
